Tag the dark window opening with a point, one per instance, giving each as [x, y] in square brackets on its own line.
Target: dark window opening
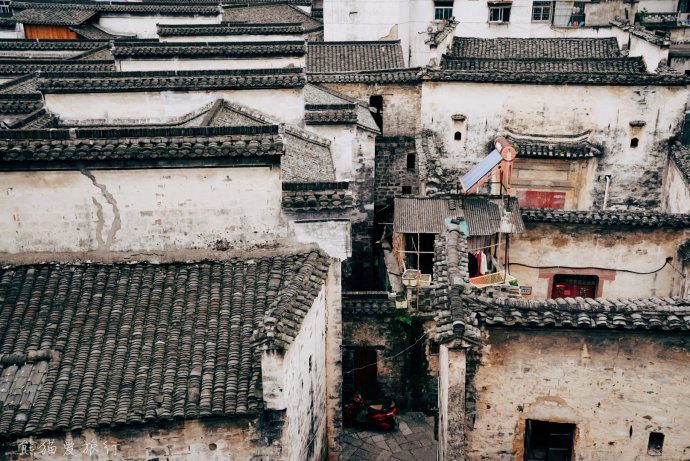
[573, 286]
[499, 12]
[458, 136]
[406, 190]
[434, 348]
[419, 252]
[376, 108]
[443, 10]
[634, 142]
[656, 443]
[687, 72]
[411, 162]
[547, 441]
[365, 373]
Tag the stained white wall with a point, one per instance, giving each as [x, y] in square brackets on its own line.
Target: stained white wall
[146, 209]
[143, 65]
[677, 191]
[651, 53]
[146, 26]
[598, 114]
[333, 236]
[163, 105]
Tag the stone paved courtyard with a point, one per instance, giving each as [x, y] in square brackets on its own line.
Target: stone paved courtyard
[412, 441]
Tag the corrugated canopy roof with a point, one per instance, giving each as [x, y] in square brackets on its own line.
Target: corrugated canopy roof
[484, 215]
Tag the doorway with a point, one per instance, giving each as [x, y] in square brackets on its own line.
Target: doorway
[365, 373]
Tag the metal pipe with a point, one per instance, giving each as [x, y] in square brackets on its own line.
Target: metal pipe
[606, 191]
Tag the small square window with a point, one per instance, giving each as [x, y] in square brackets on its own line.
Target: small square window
[406, 190]
[499, 12]
[547, 441]
[443, 10]
[541, 11]
[434, 348]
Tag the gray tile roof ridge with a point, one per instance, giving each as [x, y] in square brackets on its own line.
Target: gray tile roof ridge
[283, 317]
[636, 218]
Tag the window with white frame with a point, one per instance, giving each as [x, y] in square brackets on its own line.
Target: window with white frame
[443, 10]
[541, 11]
[5, 7]
[499, 12]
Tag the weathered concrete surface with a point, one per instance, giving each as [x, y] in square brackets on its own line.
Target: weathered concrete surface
[412, 441]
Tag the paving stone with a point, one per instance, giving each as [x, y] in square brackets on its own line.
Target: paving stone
[404, 428]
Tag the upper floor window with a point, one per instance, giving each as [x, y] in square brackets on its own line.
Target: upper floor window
[569, 14]
[5, 7]
[541, 11]
[443, 10]
[499, 12]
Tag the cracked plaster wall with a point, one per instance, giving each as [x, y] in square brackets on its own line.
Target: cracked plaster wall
[617, 387]
[125, 210]
[598, 114]
[676, 191]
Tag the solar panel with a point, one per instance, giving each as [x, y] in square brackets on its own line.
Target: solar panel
[480, 170]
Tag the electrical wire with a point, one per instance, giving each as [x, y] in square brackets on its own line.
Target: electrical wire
[666, 263]
[386, 358]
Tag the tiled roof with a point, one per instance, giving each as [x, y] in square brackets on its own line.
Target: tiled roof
[100, 345]
[27, 66]
[21, 147]
[367, 303]
[607, 218]
[102, 53]
[25, 85]
[230, 29]
[201, 50]
[681, 157]
[93, 32]
[394, 76]
[587, 65]
[326, 57]
[565, 151]
[537, 48]
[483, 215]
[61, 17]
[36, 45]
[320, 96]
[120, 7]
[460, 311]
[670, 314]
[171, 80]
[330, 114]
[252, 13]
[316, 196]
[559, 78]
[19, 104]
[268, 2]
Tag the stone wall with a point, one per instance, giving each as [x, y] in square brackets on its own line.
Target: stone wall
[139, 209]
[391, 169]
[210, 439]
[604, 251]
[615, 386]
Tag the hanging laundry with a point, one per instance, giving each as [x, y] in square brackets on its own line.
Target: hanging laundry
[483, 265]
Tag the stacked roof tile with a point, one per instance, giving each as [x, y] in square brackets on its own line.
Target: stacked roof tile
[334, 57]
[535, 48]
[169, 50]
[94, 345]
[61, 17]
[565, 151]
[607, 217]
[270, 13]
[238, 28]
[170, 80]
[584, 61]
[119, 7]
[29, 146]
[23, 67]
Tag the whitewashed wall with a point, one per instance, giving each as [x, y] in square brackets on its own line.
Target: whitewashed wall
[147, 209]
[598, 114]
[651, 53]
[331, 235]
[147, 26]
[159, 106]
[144, 65]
